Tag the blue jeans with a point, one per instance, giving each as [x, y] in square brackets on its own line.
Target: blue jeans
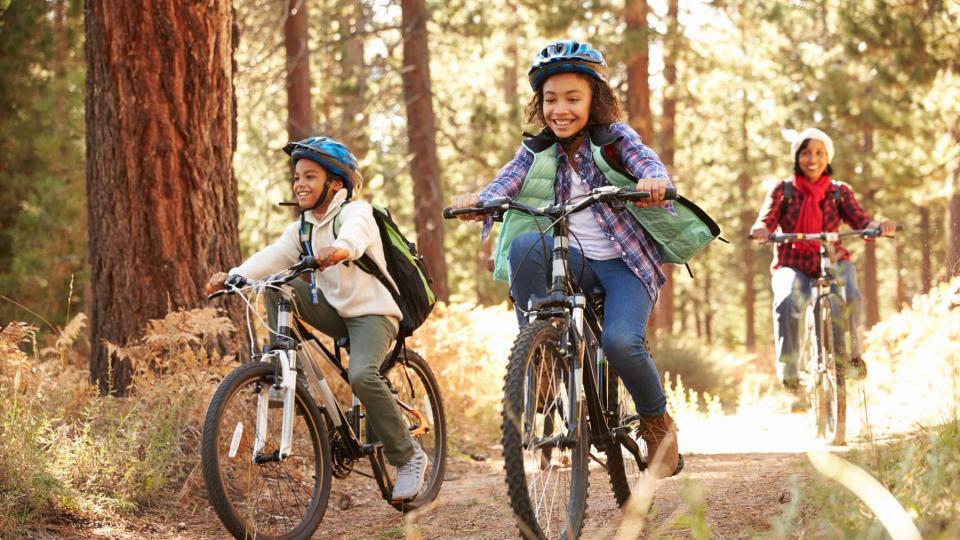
[791, 294]
[626, 310]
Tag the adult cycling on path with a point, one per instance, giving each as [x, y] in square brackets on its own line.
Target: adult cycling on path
[810, 201]
[582, 134]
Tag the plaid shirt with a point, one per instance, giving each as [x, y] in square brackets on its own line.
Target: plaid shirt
[636, 248]
[777, 212]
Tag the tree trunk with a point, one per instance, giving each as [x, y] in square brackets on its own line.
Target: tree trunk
[161, 131]
[744, 181]
[354, 81]
[300, 123]
[953, 217]
[707, 312]
[926, 268]
[901, 285]
[421, 132]
[668, 144]
[638, 77]
[871, 299]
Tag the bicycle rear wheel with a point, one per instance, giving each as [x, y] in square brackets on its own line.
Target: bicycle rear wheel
[273, 500]
[545, 439]
[622, 466]
[417, 391]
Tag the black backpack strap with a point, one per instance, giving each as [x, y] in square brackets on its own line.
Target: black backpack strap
[539, 142]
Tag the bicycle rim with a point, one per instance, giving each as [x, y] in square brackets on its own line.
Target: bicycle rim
[418, 393]
[827, 398]
[273, 500]
[545, 461]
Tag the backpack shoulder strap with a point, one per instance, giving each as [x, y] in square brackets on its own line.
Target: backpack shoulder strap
[306, 234]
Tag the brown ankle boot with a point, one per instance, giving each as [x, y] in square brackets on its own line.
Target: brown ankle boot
[660, 434]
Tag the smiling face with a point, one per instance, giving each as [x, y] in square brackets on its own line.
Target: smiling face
[813, 159]
[308, 181]
[566, 103]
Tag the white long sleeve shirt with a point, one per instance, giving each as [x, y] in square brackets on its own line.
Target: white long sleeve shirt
[350, 290]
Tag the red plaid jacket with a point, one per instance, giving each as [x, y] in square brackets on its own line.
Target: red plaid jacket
[777, 212]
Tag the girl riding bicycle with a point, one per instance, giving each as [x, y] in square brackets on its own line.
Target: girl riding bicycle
[573, 101]
[342, 300]
[811, 202]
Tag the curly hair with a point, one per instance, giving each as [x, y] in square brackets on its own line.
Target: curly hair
[604, 106]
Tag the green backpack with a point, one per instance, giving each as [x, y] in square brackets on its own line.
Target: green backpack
[404, 264]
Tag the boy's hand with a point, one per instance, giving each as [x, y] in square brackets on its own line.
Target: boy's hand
[657, 189]
[329, 256]
[216, 282]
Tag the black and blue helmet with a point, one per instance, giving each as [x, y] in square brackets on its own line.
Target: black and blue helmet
[330, 154]
[566, 55]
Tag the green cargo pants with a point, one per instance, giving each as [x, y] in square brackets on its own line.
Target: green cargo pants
[370, 340]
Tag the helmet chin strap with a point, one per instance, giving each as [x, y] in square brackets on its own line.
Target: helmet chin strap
[323, 195]
[567, 141]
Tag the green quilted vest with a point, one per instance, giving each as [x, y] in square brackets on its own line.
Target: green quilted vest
[678, 237]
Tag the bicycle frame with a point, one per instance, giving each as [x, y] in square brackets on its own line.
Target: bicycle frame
[582, 325]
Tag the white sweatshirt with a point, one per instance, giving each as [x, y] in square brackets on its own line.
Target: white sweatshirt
[350, 290]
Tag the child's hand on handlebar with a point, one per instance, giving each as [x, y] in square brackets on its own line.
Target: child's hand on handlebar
[657, 189]
[466, 200]
[216, 282]
[329, 256]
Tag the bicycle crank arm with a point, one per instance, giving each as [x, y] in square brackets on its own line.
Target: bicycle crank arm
[620, 436]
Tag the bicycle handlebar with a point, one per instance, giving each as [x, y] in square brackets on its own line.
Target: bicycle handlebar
[496, 207]
[235, 283]
[779, 238]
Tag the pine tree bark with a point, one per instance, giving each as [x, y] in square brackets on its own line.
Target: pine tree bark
[871, 299]
[952, 217]
[668, 143]
[300, 123]
[353, 81]
[926, 268]
[161, 131]
[422, 133]
[638, 67]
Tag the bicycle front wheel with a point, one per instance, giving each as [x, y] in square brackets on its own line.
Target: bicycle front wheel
[418, 395]
[829, 383]
[257, 497]
[545, 439]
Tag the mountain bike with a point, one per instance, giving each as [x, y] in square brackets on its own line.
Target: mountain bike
[560, 395]
[826, 341]
[269, 450]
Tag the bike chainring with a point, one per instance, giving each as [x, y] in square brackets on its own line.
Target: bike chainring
[342, 462]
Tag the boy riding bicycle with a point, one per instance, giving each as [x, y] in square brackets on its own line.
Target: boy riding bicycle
[341, 299]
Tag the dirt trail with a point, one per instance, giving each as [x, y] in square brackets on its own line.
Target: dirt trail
[741, 493]
[743, 466]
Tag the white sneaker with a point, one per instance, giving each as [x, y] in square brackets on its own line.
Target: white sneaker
[410, 475]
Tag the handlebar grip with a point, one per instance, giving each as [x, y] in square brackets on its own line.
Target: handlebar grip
[671, 194]
[217, 294]
[450, 213]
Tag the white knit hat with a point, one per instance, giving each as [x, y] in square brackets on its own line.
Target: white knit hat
[796, 139]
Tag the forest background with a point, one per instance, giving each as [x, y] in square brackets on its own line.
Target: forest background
[140, 149]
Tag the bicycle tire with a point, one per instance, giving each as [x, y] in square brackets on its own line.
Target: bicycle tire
[423, 391]
[622, 467]
[829, 403]
[534, 357]
[231, 476]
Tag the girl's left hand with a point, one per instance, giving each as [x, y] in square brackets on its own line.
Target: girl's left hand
[657, 189]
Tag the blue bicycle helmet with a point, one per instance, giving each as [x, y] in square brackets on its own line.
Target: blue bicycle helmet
[330, 154]
[566, 55]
